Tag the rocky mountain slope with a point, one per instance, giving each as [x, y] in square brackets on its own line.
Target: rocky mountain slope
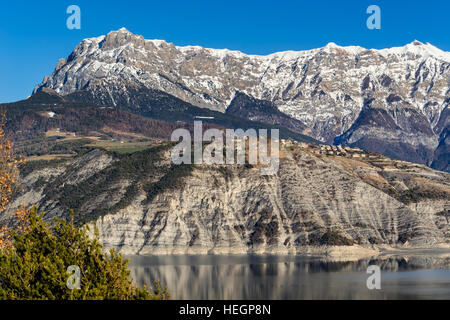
[36, 122]
[264, 111]
[392, 100]
[141, 203]
[32, 118]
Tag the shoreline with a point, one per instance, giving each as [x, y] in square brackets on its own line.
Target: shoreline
[332, 253]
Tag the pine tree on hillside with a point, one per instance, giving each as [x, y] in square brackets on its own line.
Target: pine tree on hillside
[36, 266]
[35, 256]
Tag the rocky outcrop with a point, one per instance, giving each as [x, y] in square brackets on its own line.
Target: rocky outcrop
[402, 133]
[264, 111]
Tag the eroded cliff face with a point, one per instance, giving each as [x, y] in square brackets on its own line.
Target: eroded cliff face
[315, 201]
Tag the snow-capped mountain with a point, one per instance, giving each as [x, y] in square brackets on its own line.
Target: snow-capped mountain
[389, 100]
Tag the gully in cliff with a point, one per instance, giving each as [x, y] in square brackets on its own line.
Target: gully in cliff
[236, 140]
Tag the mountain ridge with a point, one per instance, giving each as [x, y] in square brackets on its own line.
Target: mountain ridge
[326, 89]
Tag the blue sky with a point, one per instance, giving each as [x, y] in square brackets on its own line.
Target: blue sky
[33, 34]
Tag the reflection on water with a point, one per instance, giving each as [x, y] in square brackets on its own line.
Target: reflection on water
[290, 277]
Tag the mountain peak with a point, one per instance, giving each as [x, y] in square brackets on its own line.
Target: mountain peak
[122, 30]
[332, 45]
[417, 48]
[417, 43]
[119, 38]
[427, 49]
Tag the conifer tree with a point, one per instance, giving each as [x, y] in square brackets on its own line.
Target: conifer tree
[35, 267]
[35, 256]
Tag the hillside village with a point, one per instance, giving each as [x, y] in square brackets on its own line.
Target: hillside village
[330, 150]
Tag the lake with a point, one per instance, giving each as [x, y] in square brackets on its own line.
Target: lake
[292, 277]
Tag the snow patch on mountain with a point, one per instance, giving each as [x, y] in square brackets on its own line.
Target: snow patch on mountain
[326, 88]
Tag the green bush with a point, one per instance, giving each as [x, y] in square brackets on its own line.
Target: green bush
[35, 267]
[330, 238]
[261, 229]
[172, 180]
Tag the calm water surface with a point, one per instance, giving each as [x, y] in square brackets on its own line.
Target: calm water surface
[292, 277]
